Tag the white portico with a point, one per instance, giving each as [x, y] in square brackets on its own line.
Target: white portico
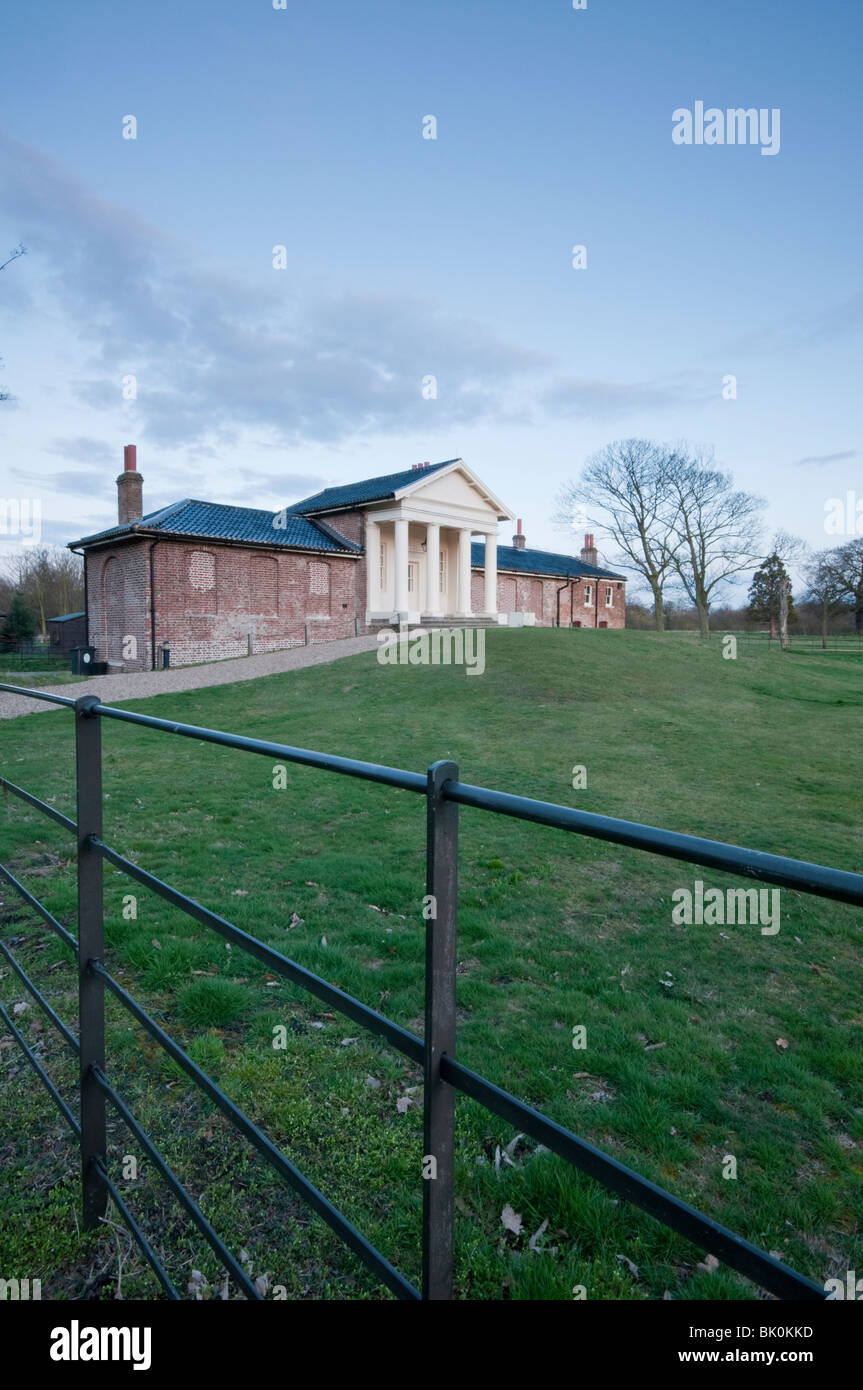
[418, 547]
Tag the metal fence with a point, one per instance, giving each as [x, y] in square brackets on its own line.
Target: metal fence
[444, 1076]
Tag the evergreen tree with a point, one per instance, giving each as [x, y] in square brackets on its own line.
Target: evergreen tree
[764, 592]
[19, 624]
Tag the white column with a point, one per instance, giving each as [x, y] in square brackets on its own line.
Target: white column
[400, 566]
[373, 566]
[490, 604]
[463, 606]
[433, 569]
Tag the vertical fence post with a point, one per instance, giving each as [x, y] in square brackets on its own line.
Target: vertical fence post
[440, 1027]
[91, 994]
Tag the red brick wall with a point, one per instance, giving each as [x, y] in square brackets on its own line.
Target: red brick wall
[210, 597]
[539, 596]
[269, 594]
[118, 604]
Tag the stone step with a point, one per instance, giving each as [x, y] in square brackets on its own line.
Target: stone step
[427, 622]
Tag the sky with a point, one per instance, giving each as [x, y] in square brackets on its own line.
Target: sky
[151, 307]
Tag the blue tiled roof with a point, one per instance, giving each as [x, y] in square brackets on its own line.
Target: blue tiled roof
[539, 562]
[369, 490]
[218, 521]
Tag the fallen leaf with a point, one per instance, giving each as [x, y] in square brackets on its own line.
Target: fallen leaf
[709, 1264]
[373, 1082]
[403, 1104]
[157, 944]
[782, 1042]
[532, 1243]
[633, 1268]
[262, 1284]
[346, 1042]
[651, 1047]
[19, 1008]
[511, 1220]
[240, 892]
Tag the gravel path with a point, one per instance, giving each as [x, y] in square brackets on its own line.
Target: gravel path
[138, 685]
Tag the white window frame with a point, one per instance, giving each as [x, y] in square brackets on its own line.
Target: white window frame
[609, 596]
[588, 595]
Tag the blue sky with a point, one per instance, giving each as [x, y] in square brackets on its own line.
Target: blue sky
[405, 257]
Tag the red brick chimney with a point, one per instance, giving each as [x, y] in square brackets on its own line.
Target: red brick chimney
[130, 499]
[588, 552]
[518, 539]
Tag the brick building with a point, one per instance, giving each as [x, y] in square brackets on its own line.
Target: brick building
[206, 581]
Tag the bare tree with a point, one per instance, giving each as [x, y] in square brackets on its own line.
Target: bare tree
[846, 568]
[50, 582]
[716, 525]
[627, 485]
[823, 588]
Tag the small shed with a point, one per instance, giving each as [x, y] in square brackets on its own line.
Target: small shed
[66, 632]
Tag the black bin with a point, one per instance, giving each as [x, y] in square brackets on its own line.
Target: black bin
[82, 660]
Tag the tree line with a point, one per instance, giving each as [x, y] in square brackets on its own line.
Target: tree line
[679, 522]
[38, 584]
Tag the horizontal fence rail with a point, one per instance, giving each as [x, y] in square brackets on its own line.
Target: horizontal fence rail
[444, 1076]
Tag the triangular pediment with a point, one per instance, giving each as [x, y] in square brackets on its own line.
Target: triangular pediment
[458, 486]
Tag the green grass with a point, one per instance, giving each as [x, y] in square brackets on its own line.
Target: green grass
[554, 931]
[35, 676]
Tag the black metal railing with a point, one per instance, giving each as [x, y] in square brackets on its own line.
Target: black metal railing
[444, 1076]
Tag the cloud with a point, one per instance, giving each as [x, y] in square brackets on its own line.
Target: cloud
[213, 355]
[93, 450]
[283, 484]
[74, 481]
[587, 399]
[819, 460]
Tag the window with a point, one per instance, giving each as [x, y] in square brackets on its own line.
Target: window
[263, 584]
[443, 572]
[319, 578]
[202, 569]
[588, 595]
[383, 569]
[319, 588]
[609, 596]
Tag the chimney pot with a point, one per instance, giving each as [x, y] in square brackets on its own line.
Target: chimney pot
[518, 539]
[130, 502]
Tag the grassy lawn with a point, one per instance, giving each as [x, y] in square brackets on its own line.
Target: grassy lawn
[34, 679]
[682, 1065]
